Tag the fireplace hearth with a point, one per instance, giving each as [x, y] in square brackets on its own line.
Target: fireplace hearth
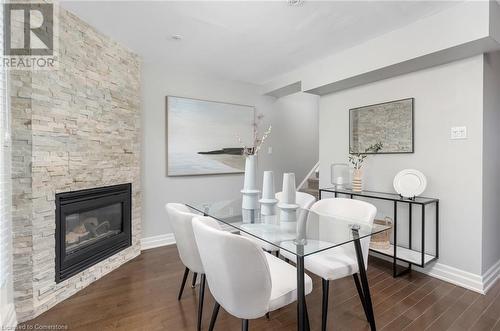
[91, 225]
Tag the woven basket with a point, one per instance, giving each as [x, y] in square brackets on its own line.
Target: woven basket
[382, 240]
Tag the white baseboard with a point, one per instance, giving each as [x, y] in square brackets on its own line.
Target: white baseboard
[468, 280]
[157, 241]
[491, 276]
[455, 276]
[8, 319]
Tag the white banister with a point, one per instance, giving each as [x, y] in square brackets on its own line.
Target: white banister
[301, 185]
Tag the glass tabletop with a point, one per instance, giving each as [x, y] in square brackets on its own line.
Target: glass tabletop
[298, 231]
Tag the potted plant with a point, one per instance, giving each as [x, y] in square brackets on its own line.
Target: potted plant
[356, 160]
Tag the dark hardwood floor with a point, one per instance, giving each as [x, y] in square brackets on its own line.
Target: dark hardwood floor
[142, 295]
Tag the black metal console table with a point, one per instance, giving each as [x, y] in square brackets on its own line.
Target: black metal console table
[397, 252]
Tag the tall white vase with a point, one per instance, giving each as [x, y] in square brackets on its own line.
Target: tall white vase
[288, 205]
[268, 201]
[289, 188]
[250, 201]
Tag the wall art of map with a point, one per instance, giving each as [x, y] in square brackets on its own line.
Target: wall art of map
[389, 123]
[202, 136]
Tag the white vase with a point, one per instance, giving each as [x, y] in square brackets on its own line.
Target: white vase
[289, 188]
[268, 201]
[250, 201]
[288, 205]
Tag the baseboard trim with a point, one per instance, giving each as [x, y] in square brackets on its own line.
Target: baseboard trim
[8, 321]
[491, 276]
[157, 241]
[452, 275]
[455, 276]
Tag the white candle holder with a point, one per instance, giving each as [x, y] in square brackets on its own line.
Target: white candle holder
[340, 175]
[288, 206]
[268, 201]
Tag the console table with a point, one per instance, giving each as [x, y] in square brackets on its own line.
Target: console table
[398, 252]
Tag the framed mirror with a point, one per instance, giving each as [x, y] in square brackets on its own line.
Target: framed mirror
[389, 124]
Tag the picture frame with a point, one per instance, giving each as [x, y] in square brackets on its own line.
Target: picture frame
[390, 123]
[201, 136]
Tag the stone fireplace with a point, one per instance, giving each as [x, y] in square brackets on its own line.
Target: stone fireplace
[91, 225]
[74, 129]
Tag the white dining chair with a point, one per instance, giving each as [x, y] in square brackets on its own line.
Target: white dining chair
[181, 221]
[339, 262]
[246, 281]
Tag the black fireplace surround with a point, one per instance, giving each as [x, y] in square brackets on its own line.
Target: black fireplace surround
[91, 225]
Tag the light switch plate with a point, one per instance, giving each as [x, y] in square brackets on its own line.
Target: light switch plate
[458, 132]
[270, 150]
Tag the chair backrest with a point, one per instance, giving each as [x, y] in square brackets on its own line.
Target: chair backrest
[237, 271]
[349, 209]
[181, 221]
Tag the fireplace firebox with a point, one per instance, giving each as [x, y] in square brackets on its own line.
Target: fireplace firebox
[91, 225]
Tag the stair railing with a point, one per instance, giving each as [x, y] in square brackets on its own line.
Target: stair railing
[301, 185]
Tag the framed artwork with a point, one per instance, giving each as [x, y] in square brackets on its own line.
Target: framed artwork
[202, 136]
[389, 124]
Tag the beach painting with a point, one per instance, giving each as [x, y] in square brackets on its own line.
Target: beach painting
[202, 136]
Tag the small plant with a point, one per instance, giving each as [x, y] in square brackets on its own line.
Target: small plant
[357, 159]
[257, 141]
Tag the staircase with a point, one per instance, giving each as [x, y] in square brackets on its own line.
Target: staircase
[312, 185]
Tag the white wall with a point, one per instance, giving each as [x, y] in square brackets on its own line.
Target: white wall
[294, 140]
[445, 96]
[295, 146]
[491, 162]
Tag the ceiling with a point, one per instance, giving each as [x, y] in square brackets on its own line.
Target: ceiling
[251, 41]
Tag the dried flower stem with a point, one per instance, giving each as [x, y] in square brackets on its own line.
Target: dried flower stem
[257, 142]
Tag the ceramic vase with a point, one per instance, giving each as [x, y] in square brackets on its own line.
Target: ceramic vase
[268, 201]
[250, 201]
[357, 180]
[287, 205]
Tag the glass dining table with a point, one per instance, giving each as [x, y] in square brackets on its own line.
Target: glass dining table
[312, 233]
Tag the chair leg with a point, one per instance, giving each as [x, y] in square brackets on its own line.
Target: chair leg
[200, 300]
[267, 315]
[361, 295]
[324, 313]
[186, 272]
[193, 283]
[244, 325]
[214, 316]
[277, 253]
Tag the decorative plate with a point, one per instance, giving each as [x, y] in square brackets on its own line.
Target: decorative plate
[409, 183]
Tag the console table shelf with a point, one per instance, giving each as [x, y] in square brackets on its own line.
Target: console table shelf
[405, 254]
[399, 253]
